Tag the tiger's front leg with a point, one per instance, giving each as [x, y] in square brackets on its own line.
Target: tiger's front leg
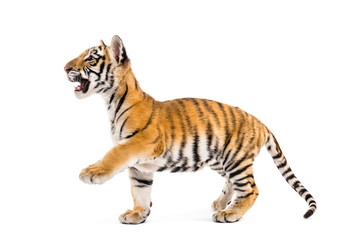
[96, 173]
[141, 184]
[116, 160]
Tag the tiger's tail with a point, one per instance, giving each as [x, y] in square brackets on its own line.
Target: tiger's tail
[284, 168]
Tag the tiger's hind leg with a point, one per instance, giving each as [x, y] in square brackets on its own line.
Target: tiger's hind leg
[246, 192]
[141, 191]
[225, 198]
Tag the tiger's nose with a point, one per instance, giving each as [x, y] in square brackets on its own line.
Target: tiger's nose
[68, 69]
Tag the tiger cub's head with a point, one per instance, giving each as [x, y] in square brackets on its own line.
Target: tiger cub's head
[94, 69]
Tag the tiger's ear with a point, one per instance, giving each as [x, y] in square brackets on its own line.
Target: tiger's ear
[117, 50]
[102, 44]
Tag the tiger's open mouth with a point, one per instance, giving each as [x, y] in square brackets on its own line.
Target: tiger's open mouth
[84, 85]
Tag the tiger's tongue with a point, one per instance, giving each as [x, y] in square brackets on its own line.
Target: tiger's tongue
[79, 88]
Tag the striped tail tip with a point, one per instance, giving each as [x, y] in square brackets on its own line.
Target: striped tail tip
[284, 168]
[309, 213]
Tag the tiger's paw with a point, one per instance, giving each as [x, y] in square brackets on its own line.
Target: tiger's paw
[136, 216]
[94, 174]
[219, 204]
[226, 216]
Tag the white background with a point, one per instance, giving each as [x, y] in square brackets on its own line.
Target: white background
[275, 59]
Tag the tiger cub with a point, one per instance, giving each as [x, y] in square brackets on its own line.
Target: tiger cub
[178, 136]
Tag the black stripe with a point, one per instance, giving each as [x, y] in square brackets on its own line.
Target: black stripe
[302, 191]
[245, 177]
[214, 164]
[147, 124]
[136, 85]
[124, 122]
[106, 89]
[277, 156]
[111, 80]
[233, 118]
[217, 169]
[240, 190]
[176, 169]
[121, 101]
[290, 177]
[209, 108]
[150, 118]
[183, 141]
[140, 186]
[296, 184]
[183, 167]
[312, 202]
[237, 151]
[235, 164]
[286, 171]
[225, 118]
[100, 71]
[216, 152]
[241, 184]
[85, 69]
[196, 156]
[283, 164]
[101, 67]
[245, 196]
[123, 55]
[161, 169]
[125, 111]
[157, 138]
[209, 134]
[239, 171]
[197, 105]
[276, 143]
[253, 127]
[112, 97]
[134, 133]
[159, 135]
[240, 125]
[171, 162]
[172, 130]
[187, 118]
[308, 196]
[97, 85]
[227, 137]
[308, 213]
[143, 181]
[107, 72]
[226, 157]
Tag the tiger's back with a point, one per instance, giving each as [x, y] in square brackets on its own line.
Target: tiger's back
[200, 132]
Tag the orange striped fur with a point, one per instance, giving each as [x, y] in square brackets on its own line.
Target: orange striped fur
[178, 135]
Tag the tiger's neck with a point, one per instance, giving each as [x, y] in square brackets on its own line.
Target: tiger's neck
[127, 89]
[121, 99]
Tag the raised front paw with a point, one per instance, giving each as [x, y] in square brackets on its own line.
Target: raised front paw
[136, 216]
[95, 174]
